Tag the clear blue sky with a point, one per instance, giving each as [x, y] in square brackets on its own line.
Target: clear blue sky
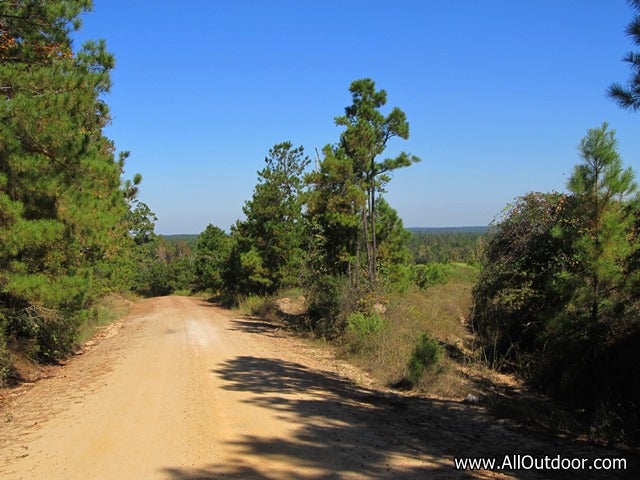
[498, 94]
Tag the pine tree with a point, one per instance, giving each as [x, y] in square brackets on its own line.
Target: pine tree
[602, 186]
[211, 255]
[268, 244]
[364, 139]
[332, 205]
[629, 96]
[62, 205]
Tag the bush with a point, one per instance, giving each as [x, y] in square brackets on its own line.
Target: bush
[42, 334]
[396, 277]
[331, 299]
[536, 312]
[431, 274]
[364, 325]
[360, 327]
[257, 305]
[5, 357]
[324, 305]
[426, 356]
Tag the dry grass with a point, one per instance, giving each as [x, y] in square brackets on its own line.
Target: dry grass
[106, 310]
[441, 311]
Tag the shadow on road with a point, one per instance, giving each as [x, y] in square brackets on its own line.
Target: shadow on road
[253, 325]
[344, 430]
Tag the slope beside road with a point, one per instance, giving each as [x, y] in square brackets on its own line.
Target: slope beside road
[181, 389]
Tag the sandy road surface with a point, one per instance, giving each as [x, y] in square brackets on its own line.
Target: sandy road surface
[184, 390]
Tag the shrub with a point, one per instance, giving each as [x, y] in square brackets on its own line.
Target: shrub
[257, 305]
[364, 325]
[43, 334]
[330, 300]
[396, 277]
[430, 274]
[5, 357]
[324, 305]
[426, 356]
[360, 328]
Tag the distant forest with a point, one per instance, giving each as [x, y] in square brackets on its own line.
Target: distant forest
[444, 245]
[426, 244]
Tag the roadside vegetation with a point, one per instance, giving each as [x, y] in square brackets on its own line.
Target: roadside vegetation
[64, 206]
[549, 293]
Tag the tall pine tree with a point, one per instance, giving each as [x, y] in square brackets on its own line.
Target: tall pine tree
[267, 254]
[366, 135]
[62, 206]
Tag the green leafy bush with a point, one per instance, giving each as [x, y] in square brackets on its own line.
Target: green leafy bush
[430, 274]
[360, 328]
[330, 300]
[323, 295]
[426, 356]
[5, 357]
[364, 325]
[257, 305]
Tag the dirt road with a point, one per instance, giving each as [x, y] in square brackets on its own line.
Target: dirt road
[183, 390]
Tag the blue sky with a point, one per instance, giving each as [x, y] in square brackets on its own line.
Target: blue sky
[498, 94]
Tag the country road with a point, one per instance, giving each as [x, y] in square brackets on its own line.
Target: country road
[181, 389]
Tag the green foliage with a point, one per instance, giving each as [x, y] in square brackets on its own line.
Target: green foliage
[629, 96]
[6, 367]
[267, 253]
[557, 296]
[332, 204]
[432, 274]
[393, 254]
[367, 132]
[518, 287]
[364, 325]
[430, 247]
[426, 356]
[213, 248]
[142, 223]
[260, 306]
[360, 329]
[330, 299]
[42, 334]
[63, 206]
[325, 307]
[602, 186]
[167, 267]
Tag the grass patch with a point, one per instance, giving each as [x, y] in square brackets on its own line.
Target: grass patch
[106, 310]
[258, 306]
[361, 328]
[441, 310]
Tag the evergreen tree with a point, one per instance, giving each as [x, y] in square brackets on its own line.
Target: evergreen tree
[602, 186]
[367, 132]
[629, 96]
[211, 255]
[268, 253]
[394, 257]
[332, 205]
[62, 205]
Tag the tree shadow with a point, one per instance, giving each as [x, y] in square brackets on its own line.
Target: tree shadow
[344, 431]
[254, 325]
